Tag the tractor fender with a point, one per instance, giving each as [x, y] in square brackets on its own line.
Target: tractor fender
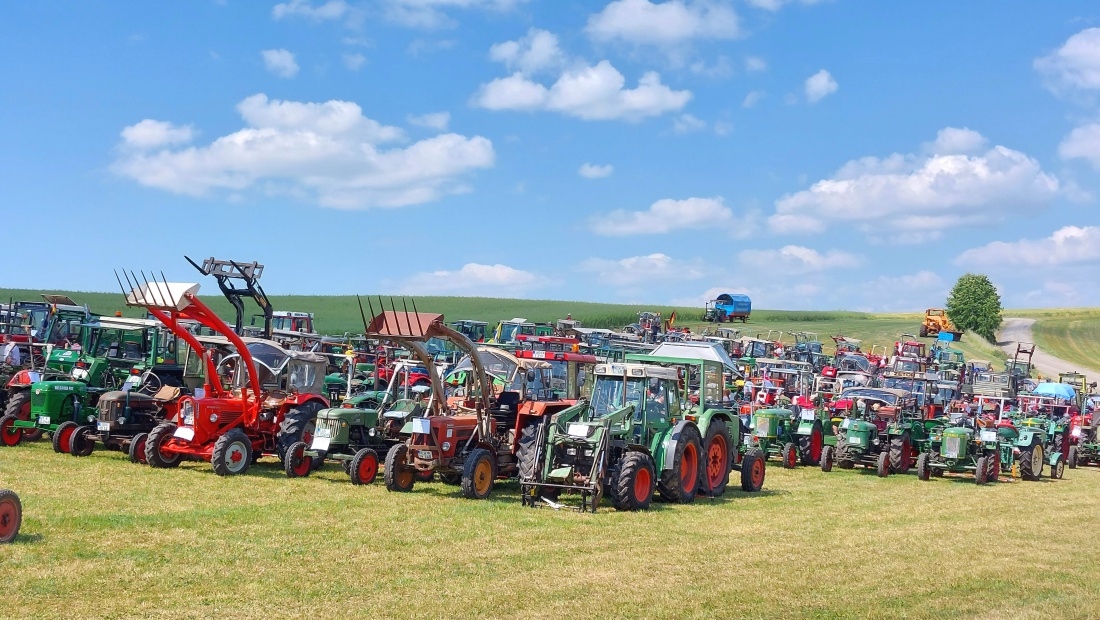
[666, 450]
[703, 420]
[1053, 458]
[21, 380]
[296, 400]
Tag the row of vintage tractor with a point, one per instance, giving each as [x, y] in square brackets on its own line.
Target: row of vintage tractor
[672, 420]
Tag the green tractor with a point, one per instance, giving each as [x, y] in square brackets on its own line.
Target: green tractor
[875, 432]
[117, 355]
[793, 434]
[366, 425]
[962, 445]
[637, 433]
[1036, 439]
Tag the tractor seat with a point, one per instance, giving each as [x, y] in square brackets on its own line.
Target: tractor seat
[275, 398]
[166, 393]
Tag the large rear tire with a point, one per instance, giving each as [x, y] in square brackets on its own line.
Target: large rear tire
[479, 472]
[19, 405]
[156, 457]
[397, 475]
[753, 470]
[681, 483]
[232, 454]
[11, 516]
[634, 483]
[717, 463]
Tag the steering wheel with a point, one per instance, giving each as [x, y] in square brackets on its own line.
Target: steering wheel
[150, 383]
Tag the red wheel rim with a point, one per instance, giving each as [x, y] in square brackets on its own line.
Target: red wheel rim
[303, 463]
[642, 483]
[9, 434]
[817, 442]
[791, 459]
[141, 450]
[368, 469]
[717, 461]
[689, 468]
[757, 473]
[66, 435]
[9, 517]
[160, 449]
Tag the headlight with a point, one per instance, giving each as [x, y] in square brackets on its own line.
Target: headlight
[446, 446]
[80, 374]
[91, 418]
[370, 432]
[187, 411]
[213, 417]
[1076, 432]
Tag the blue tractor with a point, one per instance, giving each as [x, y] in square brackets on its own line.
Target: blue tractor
[728, 307]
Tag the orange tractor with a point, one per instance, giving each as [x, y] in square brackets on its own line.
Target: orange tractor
[935, 322]
[268, 401]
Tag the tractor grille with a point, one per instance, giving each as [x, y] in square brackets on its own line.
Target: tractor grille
[952, 447]
[38, 399]
[327, 428]
[763, 427]
[107, 412]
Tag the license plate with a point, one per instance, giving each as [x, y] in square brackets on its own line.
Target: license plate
[133, 379]
[184, 433]
[322, 432]
[43, 419]
[103, 426]
[808, 415]
[853, 440]
[989, 436]
[424, 454]
[320, 443]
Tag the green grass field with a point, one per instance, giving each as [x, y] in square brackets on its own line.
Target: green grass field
[103, 538]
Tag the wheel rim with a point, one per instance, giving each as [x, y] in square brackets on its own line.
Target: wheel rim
[483, 476]
[368, 468]
[1037, 459]
[689, 468]
[792, 459]
[642, 483]
[164, 456]
[757, 473]
[817, 441]
[404, 478]
[9, 434]
[141, 450]
[717, 461]
[9, 517]
[307, 432]
[302, 463]
[66, 436]
[236, 457]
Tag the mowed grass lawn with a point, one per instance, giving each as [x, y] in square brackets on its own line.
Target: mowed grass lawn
[103, 538]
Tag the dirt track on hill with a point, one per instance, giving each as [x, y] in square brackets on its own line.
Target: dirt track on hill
[1014, 331]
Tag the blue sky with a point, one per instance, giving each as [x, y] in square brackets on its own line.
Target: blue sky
[832, 154]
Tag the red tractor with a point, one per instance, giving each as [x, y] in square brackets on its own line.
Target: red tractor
[258, 401]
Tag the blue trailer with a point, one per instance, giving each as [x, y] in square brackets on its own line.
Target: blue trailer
[728, 307]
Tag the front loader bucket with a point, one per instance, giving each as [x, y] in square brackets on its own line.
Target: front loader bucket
[589, 487]
[947, 336]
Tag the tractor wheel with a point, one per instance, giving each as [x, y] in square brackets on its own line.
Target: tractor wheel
[63, 435]
[843, 460]
[9, 435]
[923, 472]
[478, 474]
[1058, 469]
[923, 331]
[809, 446]
[525, 451]
[297, 425]
[19, 405]
[232, 453]
[789, 454]
[993, 458]
[79, 443]
[154, 456]
[137, 448]
[364, 467]
[1031, 461]
[297, 464]
[901, 453]
[883, 464]
[451, 479]
[1071, 460]
[397, 475]
[716, 452]
[11, 516]
[633, 485]
[981, 471]
[681, 483]
[753, 470]
[827, 455]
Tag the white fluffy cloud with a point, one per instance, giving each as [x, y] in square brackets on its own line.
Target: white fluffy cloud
[797, 259]
[433, 13]
[1082, 143]
[775, 5]
[1065, 246]
[592, 171]
[328, 152]
[914, 198]
[664, 216]
[472, 279]
[687, 123]
[280, 62]
[333, 9]
[1075, 65]
[637, 270]
[435, 120]
[587, 92]
[819, 86]
[667, 23]
[150, 134]
[955, 141]
[535, 51]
